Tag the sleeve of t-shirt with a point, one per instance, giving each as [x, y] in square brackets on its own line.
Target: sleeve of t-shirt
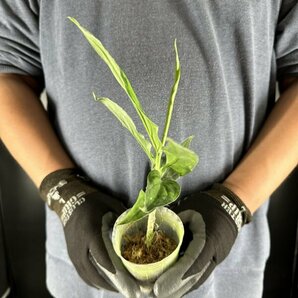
[19, 37]
[286, 39]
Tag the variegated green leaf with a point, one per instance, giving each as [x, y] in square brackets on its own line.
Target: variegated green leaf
[127, 122]
[172, 96]
[137, 211]
[120, 76]
[179, 158]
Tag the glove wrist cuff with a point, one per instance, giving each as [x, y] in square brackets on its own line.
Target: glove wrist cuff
[64, 190]
[232, 204]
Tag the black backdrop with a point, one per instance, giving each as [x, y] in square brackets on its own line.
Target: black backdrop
[4, 273]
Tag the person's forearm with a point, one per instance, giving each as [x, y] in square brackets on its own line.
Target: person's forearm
[272, 156]
[26, 131]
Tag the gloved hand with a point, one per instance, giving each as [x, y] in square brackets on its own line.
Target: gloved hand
[224, 214]
[81, 207]
[121, 279]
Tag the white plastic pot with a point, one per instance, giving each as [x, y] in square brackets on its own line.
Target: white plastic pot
[167, 221]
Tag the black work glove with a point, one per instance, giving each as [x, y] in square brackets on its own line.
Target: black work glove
[224, 214]
[81, 207]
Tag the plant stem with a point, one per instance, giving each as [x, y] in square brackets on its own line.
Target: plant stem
[157, 160]
[150, 228]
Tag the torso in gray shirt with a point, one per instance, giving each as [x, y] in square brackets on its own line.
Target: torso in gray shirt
[231, 53]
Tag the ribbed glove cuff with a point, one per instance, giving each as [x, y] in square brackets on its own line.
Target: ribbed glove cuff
[232, 204]
[64, 190]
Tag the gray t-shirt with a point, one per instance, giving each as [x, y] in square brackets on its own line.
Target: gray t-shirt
[231, 54]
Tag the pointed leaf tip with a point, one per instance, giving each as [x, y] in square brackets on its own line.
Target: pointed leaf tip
[73, 20]
[95, 97]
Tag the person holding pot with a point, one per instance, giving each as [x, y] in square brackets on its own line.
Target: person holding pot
[232, 55]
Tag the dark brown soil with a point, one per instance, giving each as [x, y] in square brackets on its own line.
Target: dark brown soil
[136, 251]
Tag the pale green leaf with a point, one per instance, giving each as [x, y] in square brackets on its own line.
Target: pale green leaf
[179, 158]
[137, 211]
[120, 76]
[172, 96]
[169, 173]
[160, 192]
[127, 122]
[186, 142]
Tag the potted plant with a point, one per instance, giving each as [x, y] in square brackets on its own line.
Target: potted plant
[148, 236]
